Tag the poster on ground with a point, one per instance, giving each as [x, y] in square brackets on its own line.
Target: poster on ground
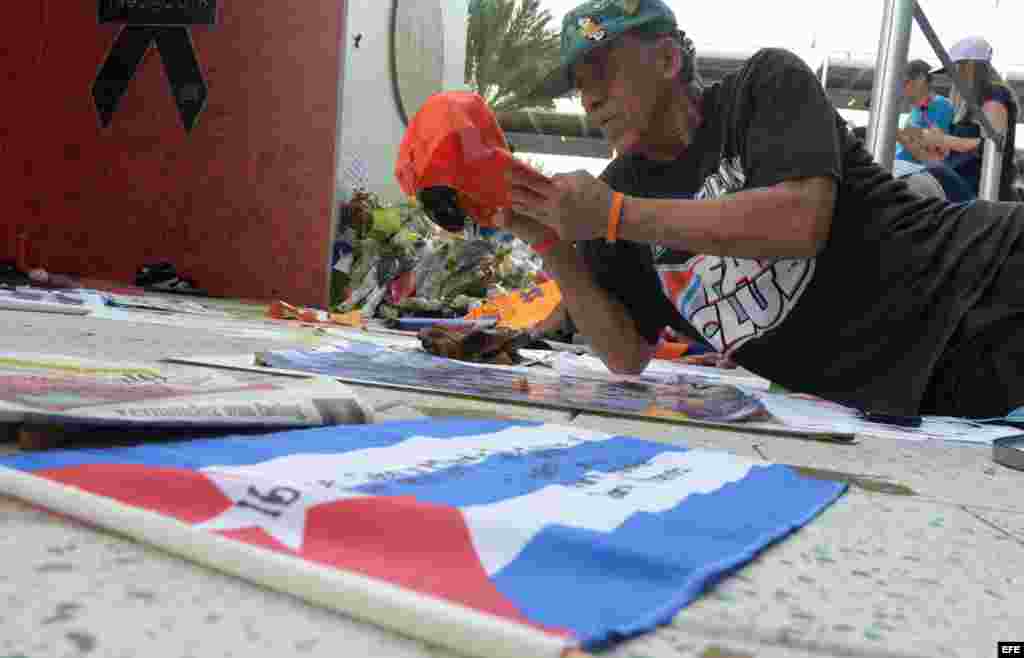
[360, 362]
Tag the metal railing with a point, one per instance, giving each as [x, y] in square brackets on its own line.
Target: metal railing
[893, 46]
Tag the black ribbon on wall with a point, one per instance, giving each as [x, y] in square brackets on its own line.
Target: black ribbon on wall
[164, 23]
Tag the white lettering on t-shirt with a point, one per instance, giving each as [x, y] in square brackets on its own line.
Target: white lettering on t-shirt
[730, 301]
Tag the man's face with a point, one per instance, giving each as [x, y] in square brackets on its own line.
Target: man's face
[916, 90]
[620, 86]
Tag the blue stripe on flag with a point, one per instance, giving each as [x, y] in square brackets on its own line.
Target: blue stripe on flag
[609, 586]
[244, 450]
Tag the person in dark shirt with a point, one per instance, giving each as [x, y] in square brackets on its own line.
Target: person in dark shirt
[973, 60]
[746, 215]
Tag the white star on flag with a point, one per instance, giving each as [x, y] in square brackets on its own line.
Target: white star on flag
[278, 508]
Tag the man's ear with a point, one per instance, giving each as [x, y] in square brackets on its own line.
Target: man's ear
[670, 58]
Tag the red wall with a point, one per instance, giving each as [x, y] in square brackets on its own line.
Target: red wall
[242, 204]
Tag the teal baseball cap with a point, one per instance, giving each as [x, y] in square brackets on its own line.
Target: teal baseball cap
[595, 24]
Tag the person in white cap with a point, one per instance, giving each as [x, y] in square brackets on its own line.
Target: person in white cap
[746, 214]
[964, 143]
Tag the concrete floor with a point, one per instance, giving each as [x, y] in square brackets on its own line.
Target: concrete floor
[923, 557]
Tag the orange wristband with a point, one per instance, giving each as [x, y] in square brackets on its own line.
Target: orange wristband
[614, 217]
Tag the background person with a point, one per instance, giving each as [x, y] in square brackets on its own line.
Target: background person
[972, 57]
[929, 110]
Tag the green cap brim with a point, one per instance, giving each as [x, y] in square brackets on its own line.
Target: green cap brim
[559, 82]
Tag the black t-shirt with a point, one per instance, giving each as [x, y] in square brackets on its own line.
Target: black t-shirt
[862, 323]
[968, 164]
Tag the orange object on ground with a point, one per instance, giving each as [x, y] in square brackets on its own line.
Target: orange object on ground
[521, 309]
[284, 311]
[455, 141]
[280, 310]
[350, 319]
[670, 350]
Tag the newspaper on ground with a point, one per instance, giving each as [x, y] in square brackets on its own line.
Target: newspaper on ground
[168, 304]
[43, 390]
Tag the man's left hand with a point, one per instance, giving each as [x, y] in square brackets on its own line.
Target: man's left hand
[574, 205]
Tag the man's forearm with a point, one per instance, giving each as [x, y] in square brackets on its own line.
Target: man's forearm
[783, 221]
[602, 319]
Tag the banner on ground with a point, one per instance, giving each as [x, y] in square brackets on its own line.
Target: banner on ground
[493, 538]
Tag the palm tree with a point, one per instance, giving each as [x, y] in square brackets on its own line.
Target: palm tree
[509, 49]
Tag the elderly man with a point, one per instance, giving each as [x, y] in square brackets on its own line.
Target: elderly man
[747, 215]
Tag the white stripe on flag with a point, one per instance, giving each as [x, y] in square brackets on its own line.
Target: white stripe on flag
[601, 502]
[415, 456]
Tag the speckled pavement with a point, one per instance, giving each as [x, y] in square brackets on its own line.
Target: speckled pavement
[923, 557]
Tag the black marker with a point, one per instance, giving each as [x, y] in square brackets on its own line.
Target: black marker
[891, 419]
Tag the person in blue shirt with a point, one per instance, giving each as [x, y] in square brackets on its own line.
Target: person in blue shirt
[930, 110]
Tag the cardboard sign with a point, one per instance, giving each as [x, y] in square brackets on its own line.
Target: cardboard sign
[117, 156]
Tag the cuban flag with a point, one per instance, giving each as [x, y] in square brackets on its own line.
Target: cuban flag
[568, 537]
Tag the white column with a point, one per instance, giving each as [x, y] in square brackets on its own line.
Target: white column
[456, 18]
[991, 171]
[893, 46]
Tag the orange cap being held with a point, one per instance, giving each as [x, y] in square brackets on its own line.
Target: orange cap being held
[453, 157]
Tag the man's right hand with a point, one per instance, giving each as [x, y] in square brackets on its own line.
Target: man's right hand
[612, 332]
